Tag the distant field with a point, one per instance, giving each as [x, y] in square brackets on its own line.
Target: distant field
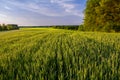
[53, 54]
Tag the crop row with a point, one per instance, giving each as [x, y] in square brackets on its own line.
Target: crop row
[51, 54]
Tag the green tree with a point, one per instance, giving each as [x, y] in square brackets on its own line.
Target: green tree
[9, 27]
[81, 27]
[12, 26]
[0, 27]
[102, 15]
[90, 15]
[4, 27]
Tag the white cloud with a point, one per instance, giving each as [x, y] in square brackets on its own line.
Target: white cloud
[30, 12]
[48, 7]
[68, 7]
[3, 15]
[36, 7]
[8, 8]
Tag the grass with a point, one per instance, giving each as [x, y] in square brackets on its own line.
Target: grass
[53, 54]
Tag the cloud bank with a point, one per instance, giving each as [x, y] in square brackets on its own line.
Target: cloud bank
[42, 12]
[49, 7]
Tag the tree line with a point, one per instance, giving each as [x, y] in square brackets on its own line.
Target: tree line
[4, 27]
[68, 27]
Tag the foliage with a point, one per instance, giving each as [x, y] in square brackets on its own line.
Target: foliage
[52, 54]
[4, 27]
[68, 27]
[81, 27]
[102, 15]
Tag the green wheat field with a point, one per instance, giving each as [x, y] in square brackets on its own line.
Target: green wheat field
[54, 54]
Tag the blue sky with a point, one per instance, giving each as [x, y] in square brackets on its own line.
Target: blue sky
[42, 12]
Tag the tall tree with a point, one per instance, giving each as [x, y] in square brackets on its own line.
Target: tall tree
[102, 15]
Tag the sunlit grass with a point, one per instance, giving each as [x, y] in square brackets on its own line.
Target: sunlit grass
[53, 54]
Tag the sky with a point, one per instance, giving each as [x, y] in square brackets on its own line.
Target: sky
[42, 12]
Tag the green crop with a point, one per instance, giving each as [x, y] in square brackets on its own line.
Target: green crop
[53, 54]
